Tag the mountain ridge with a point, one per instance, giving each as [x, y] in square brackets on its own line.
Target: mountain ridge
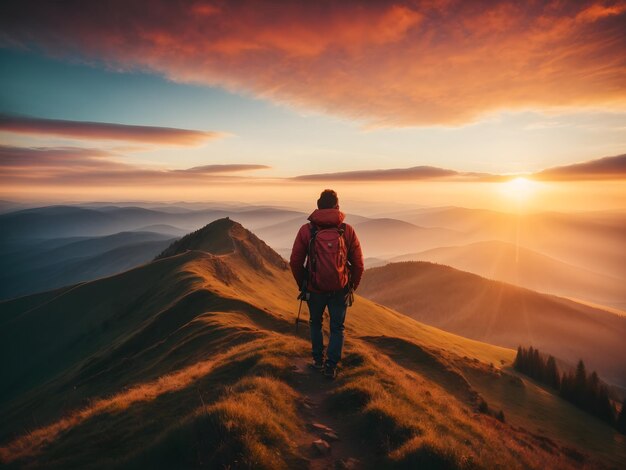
[176, 355]
[225, 236]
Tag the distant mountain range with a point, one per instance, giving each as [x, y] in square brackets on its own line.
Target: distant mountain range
[382, 237]
[507, 262]
[579, 255]
[592, 240]
[69, 221]
[47, 247]
[33, 266]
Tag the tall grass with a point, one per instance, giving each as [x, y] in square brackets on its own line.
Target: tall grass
[264, 356]
[249, 427]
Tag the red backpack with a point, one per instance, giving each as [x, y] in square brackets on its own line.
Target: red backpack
[328, 258]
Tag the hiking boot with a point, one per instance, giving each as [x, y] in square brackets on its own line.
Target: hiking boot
[317, 365]
[330, 371]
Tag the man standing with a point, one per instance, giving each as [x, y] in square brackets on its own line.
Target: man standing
[327, 263]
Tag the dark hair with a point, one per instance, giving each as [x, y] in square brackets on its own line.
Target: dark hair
[328, 200]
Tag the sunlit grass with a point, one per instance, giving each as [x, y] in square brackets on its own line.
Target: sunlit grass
[416, 423]
[33, 442]
[250, 426]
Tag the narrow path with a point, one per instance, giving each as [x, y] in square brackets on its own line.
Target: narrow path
[346, 452]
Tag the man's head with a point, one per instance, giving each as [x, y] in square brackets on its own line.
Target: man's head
[328, 200]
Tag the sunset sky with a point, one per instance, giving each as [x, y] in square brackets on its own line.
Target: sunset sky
[425, 102]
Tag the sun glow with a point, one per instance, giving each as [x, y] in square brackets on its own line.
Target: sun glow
[519, 189]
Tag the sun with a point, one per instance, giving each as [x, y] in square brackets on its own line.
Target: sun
[520, 189]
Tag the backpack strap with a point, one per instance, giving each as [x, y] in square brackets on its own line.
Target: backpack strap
[342, 231]
[310, 260]
[313, 229]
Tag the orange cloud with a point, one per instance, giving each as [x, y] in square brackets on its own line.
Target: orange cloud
[104, 131]
[400, 63]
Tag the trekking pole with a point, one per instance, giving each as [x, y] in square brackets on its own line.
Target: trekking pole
[302, 296]
[298, 319]
[349, 298]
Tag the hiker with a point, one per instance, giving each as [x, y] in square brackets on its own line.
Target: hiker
[333, 270]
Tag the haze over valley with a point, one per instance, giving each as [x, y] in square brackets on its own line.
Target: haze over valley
[568, 254]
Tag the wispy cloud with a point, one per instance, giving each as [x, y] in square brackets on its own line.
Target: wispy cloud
[104, 131]
[393, 174]
[87, 166]
[600, 169]
[386, 63]
[225, 168]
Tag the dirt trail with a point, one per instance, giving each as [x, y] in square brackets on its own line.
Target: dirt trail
[347, 452]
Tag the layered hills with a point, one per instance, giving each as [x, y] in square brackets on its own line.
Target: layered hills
[192, 360]
[99, 220]
[384, 237]
[578, 255]
[42, 248]
[33, 266]
[593, 241]
[502, 314]
[515, 264]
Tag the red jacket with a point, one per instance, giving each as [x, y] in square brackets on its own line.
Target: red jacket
[326, 218]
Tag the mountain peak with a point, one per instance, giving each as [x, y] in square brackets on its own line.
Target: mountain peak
[225, 237]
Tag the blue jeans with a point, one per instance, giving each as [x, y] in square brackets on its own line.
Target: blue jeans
[336, 303]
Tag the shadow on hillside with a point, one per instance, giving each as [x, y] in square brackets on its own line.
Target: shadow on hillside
[420, 360]
[150, 430]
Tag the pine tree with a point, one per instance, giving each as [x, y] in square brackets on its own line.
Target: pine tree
[567, 386]
[580, 383]
[537, 365]
[592, 399]
[552, 373]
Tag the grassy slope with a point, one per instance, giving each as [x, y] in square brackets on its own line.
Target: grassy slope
[503, 314]
[188, 361]
[536, 408]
